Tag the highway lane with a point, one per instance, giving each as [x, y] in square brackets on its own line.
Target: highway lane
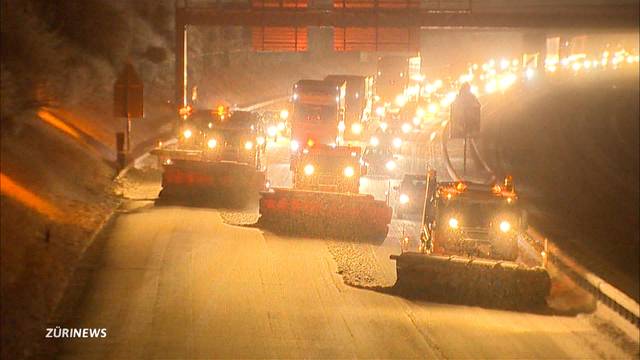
[177, 282]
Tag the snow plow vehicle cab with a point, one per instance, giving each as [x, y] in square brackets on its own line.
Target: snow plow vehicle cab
[327, 168]
[223, 157]
[324, 201]
[468, 246]
[470, 219]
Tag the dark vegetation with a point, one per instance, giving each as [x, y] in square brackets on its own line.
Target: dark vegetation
[572, 146]
[68, 51]
[63, 56]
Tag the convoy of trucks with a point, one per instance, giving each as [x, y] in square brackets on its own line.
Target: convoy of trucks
[469, 232]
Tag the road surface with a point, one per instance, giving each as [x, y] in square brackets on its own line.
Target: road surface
[179, 282]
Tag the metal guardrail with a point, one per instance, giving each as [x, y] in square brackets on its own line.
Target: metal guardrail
[603, 292]
[594, 290]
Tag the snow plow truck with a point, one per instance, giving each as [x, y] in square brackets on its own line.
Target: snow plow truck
[469, 246]
[325, 199]
[219, 156]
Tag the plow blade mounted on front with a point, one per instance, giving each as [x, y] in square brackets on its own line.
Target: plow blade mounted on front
[203, 181]
[471, 281]
[324, 214]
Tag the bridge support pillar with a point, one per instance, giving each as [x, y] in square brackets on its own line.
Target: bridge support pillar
[181, 60]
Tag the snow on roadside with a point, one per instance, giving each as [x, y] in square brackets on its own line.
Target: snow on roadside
[139, 184]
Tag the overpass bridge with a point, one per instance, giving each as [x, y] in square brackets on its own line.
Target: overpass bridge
[391, 23]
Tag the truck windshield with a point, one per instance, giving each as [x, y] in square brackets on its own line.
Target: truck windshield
[478, 213]
[201, 119]
[332, 164]
[233, 137]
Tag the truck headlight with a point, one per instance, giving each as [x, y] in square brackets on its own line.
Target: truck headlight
[349, 171]
[294, 145]
[404, 199]
[453, 223]
[406, 128]
[380, 111]
[390, 165]
[212, 143]
[341, 126]
[397, 143]
[187, 133]
[248, 145]
[374, 141]
[505, 226]
[356, 128]
[272, 131]
[309, 169]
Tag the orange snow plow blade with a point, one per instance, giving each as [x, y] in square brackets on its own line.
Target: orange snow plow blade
[203, 181]
[471, 281]
[324, 214]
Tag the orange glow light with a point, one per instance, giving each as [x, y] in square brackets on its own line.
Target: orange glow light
[10, 188]
[185, 111]
[54, 121]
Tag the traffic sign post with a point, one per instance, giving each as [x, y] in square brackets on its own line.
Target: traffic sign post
[464, 123]
[128, 100]
[121, 155]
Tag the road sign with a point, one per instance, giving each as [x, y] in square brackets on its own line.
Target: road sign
[128, 94]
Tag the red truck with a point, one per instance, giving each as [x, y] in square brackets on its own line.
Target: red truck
[318, 114]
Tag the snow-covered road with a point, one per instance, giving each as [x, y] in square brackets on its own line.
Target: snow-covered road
[179, 282]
